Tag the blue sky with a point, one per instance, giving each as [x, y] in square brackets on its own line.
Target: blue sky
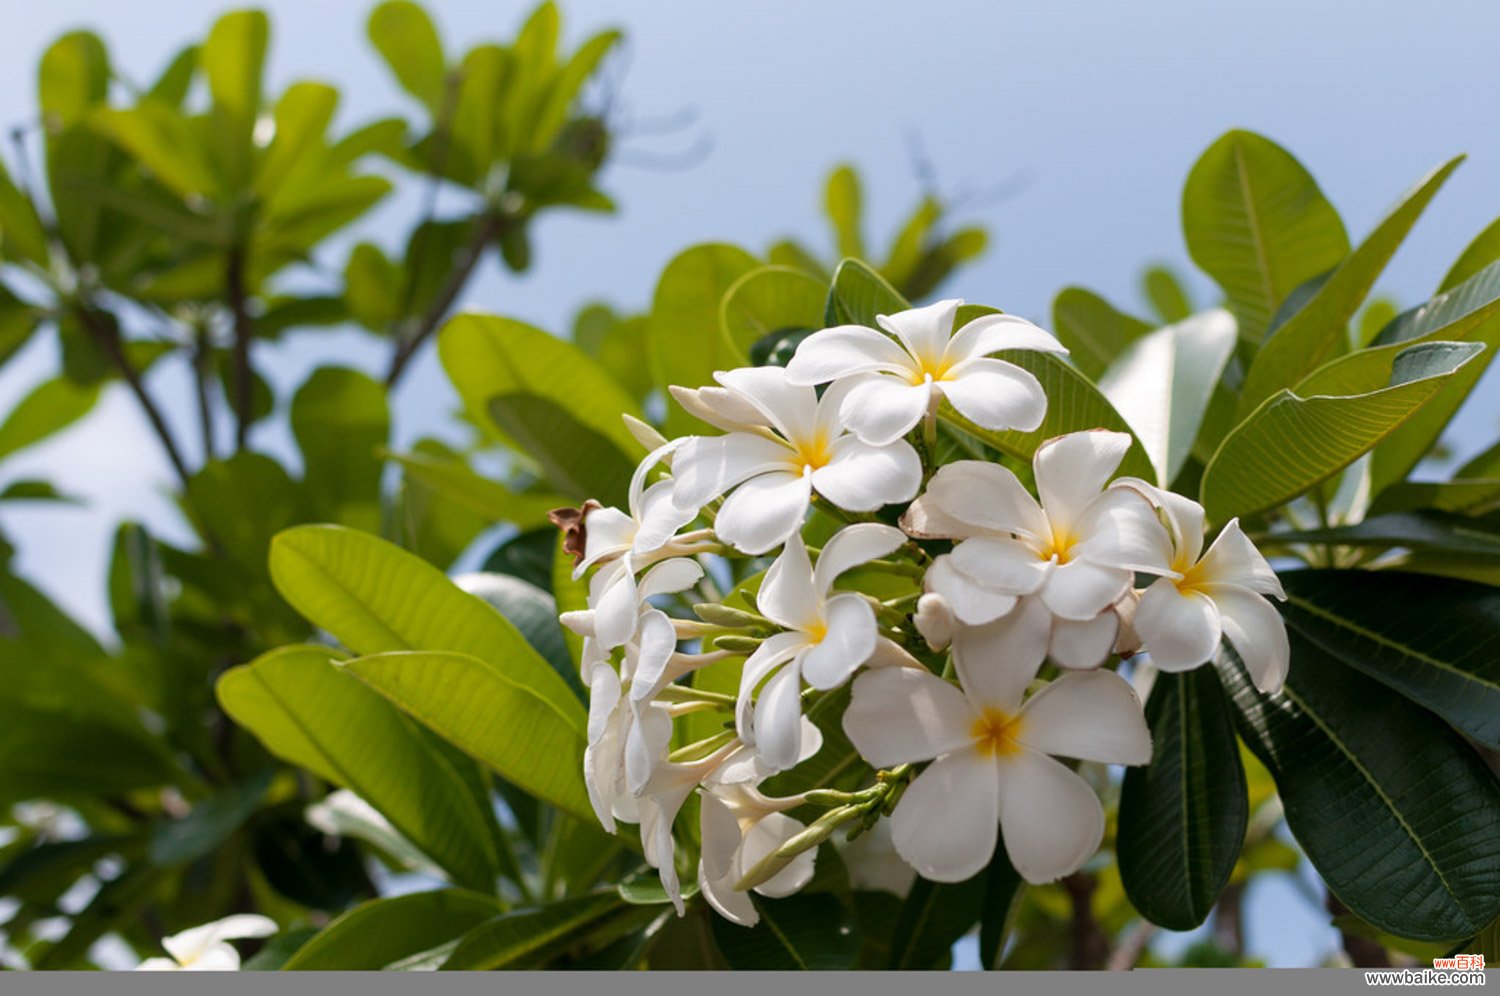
[1102, 108]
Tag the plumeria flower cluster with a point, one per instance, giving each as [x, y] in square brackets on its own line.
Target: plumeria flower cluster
[816, 559]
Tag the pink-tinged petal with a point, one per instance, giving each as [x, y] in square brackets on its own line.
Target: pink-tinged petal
[1180, 630]
[923, 331]
[707, 466]
[1081, 590]
[971, 498]
[1233, 559]
[1005, 565]
[881, 409]
[1087, 715]
[852, 546]
[790, 408]
[994, 333]
[898, 714]
[1049, 817]
[1071, 470]
[769, 833]
[668, 576]
[862, 478]
[971, 603]
[764, 511]
[945, 824]
[660, 517]
[997, 661]
[1120, 528]
[848, 642]
[996, 395]
[787, 595]
[843, 351]
[778, 719]
[1257, 632]
[1084, 644]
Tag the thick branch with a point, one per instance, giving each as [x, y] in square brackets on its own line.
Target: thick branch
[234, 289]
[202, 358]
[1089, 948]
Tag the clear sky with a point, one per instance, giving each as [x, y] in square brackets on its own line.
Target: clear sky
[1100, 107]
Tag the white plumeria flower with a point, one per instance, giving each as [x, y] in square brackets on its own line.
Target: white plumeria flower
[1213, 594]
[1028, 631]
[662, 798]
[1077, 550]
[904, 379]
[206, 948]
[827, 636]
[993, 761]
[873, 862]
[798, 445]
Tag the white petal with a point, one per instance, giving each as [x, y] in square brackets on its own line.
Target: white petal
[778, 719]
[646, 743]
[1084, 644]
[1071, 470]
[660, 517]
[1119, 528]
[848, 642]
[972, 497]
[924, 331]
[718, 406]
[734, 906]
[791, 408]
[860, 477]
[1002, 564]
[707, 466]
[764, 511]
[158, 965]
[787, 595]
[616, 607]
[1087, 715]
[996, 395]
[852, 546]
[997, 661]
[934, 620]
[944, 826]
[720, 832]
[1180, 631]
[842, 351]
[992, 333]
[1051, 820]
[189, 945]
[1257, 632]
[881, 409]
[897, 715]
[970, 602]
[667, 576]
[1233, 559]
[769, 833]
[1081, 590]
[1184, 518]
[218, 957]
[607, 532]
[655, 644]
[773, 652]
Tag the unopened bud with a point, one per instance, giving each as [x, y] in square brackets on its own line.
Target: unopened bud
[934, 620]
[769, 866]
[729, 618]
[737, 644]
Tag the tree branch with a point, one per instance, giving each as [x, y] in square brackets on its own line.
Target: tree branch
[1090, 948]
[202, 357]
[237, 299]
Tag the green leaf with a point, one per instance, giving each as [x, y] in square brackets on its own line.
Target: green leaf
[171, 87]
[306, 711]
[933, 917]
[515, 938]
[378, 933]
[1316, 331]
[51, 407]
[566, 409]
[844, 205]
[1397, 813]
[1162, 383]
[1428, 638]
[1419, 530]
[807, 932]
[532, 611]
[1483, 251]
[1257, 223]
[21, 232]
[1002, 898]
[73, 77]
[204, 829]
[1473, 496]
[164, 143]
[859, 294]
[407, 40]
[234, 55]
[455, 480]
[1182, 817]
[1092, 329]
[303, 115]
[1296, 439]
[476, 707]
[243, 502]
[1166, 294]
[372, 287]
[340, 419]
[375, 598]
[768, 300]
[686, 346]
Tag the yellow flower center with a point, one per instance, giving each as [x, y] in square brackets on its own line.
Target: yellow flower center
[1060, 545]
[928, 368]
[995, 733]
[814, 453]
[817, 631]
[1193, 579]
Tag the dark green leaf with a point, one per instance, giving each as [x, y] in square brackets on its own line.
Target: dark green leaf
[375, 934]
[1092, 329]
[807, 932]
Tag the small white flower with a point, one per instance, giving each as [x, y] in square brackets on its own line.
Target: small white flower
[827, 636]
[993, 761]
[904, 379]
[797, 444]
[1222, 593]
[1077, 550]
[206, 948]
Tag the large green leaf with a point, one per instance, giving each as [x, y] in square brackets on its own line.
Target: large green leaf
[451, 476]
[383, 932]
[341, 421]
[476, 707]
[1483, 251]
[51, 407]
[1257, 223]
[1398, 814]
[405, 37]
[1316, 331]
[376, 597]
[1413, 530]
[1162, 383]
[1092, 329]
[571, 457]
[807, 932]
[1297, 439]
[233, 56]
[1183, 816]
[933, 916]
[859, 295]
[1431, 639]
[532, 610]
[299, 704]
[769, 300]
[520, 937]
[163, 141]
[686, 345]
